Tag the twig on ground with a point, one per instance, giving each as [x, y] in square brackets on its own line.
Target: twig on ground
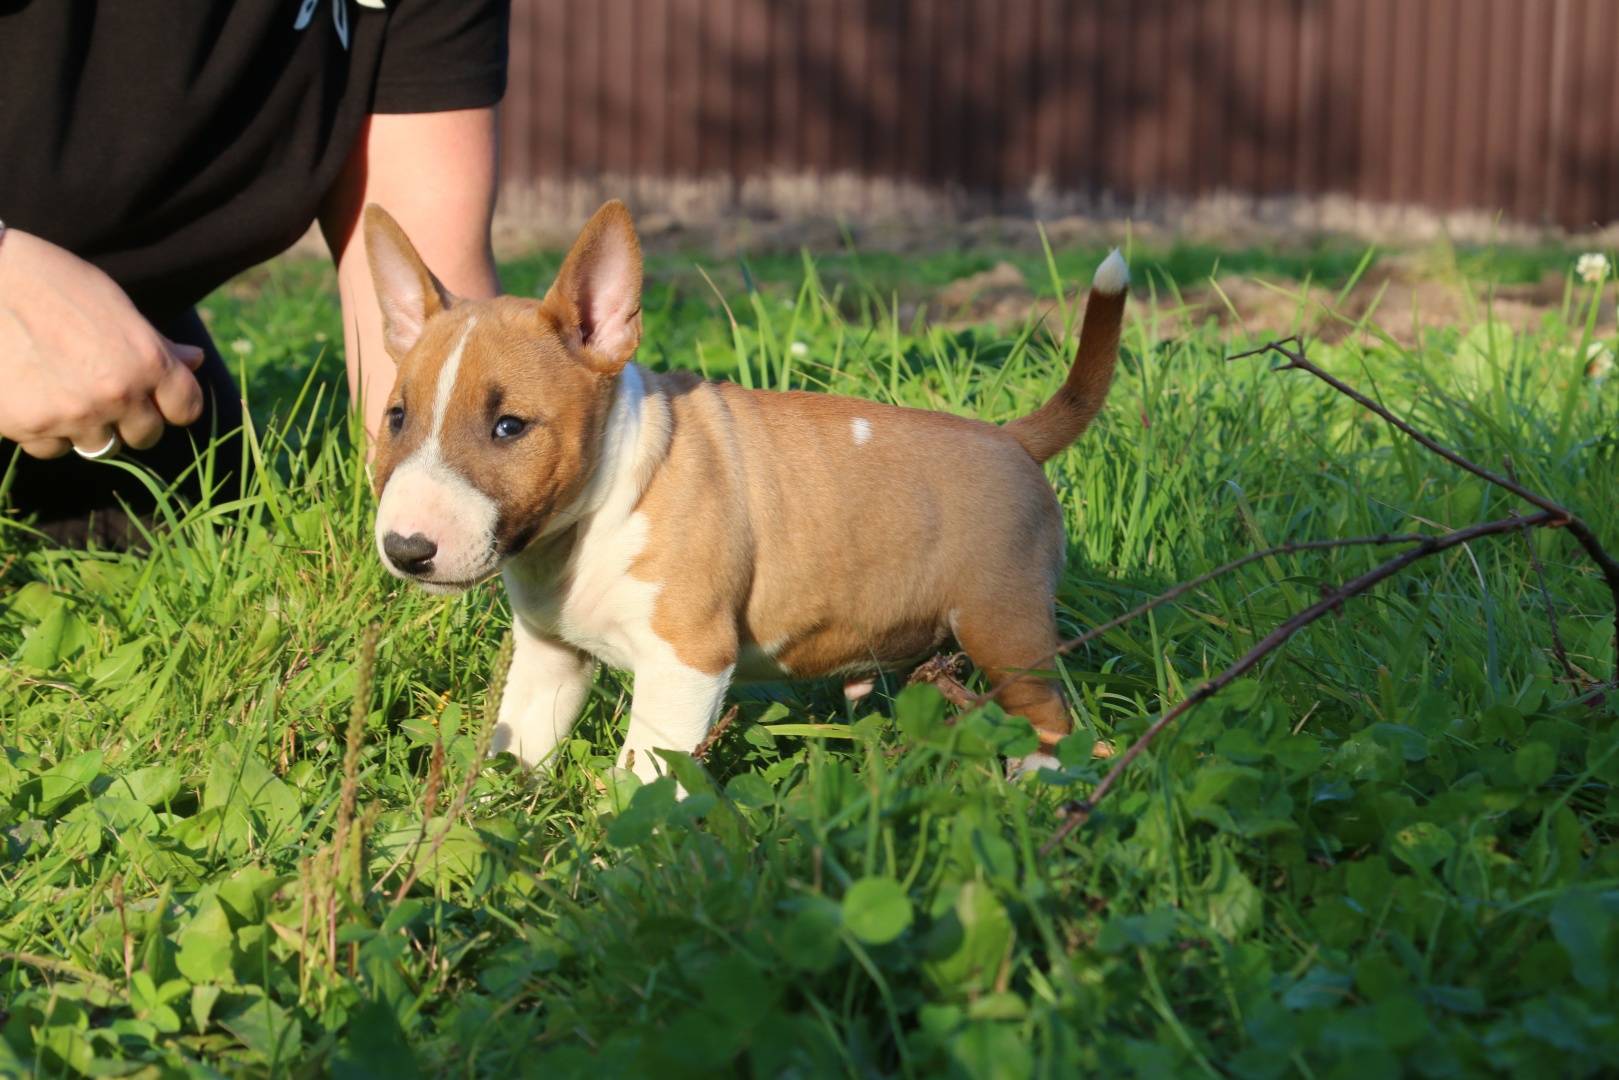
[714, 733]
[944, 671]
[1081, 811]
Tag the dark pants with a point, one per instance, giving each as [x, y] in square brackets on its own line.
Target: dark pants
[78, 502]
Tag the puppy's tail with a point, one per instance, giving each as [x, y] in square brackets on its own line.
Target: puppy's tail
[1060, 421]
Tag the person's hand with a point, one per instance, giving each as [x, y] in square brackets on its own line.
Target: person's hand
[78, 363]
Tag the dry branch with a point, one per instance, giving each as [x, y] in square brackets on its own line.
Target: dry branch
[1552, 515]
[1187, 586]
[944, 672]
[1077, 815]
[1293, 349]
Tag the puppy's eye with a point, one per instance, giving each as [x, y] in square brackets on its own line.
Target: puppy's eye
[396, 418]
[509, 427]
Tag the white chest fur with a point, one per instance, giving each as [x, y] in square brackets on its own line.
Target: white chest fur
[587, 598]
[579, 589]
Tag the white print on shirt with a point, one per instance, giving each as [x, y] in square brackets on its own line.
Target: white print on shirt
[340, 15]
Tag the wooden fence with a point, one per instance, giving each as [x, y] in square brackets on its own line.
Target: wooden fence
[1494, 106]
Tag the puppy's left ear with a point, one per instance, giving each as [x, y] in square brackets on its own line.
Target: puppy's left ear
[596, 298]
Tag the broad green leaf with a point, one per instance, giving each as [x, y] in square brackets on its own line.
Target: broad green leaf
[206, 944]
[1129, 931]
[1422, 844]
[1319, 988]
[267, 1029]
[1534, 763]
[42, 647]
[203, 998]
[968, 941]
[919, 710]
[876, 910]
[245, 894]
[123, 815]
[459, 856]
[106, 578]
[155, 785]
[1234, 904]
[649, 807]
[987, 1050]
[1584, 927]
[67, 780]
[750, 790]
[252, 796]
[374, 1046]
[33, 601]
[119, 666]
[809, 938]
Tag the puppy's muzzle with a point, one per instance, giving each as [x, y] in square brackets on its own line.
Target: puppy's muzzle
[411, 554]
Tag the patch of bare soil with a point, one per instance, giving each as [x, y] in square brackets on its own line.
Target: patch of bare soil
[1402, 299]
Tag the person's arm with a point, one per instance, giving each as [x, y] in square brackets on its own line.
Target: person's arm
[436, 174]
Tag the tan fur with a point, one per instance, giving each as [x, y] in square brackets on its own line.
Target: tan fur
[791, 535]
[1051, 428]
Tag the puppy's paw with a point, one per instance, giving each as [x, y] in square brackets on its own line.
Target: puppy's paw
[1029, 764]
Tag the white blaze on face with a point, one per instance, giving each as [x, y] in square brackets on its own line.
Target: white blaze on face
[861, 428]
[424, 496]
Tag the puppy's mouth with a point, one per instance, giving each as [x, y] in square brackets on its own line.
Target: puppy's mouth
[452, 575]
[451, 587]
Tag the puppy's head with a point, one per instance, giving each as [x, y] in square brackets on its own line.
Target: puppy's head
[495, 421]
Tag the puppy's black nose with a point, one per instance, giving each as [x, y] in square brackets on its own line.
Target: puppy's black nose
[413, 554]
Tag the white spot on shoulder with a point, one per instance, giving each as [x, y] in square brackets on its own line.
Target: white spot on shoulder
[861, 428]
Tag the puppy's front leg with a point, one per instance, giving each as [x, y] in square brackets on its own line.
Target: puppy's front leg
[544, 693]
[673, 709]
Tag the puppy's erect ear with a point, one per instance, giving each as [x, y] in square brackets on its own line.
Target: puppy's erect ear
[596, 299]
[407, 291]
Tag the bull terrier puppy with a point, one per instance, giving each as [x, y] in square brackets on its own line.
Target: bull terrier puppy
[696, 533]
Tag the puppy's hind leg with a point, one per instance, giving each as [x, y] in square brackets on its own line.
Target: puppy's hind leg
[1011, 643]
[544, 693]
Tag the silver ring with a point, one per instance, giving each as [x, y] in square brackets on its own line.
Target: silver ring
[114, 445]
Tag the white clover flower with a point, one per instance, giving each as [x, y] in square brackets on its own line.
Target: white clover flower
[241, 346]
[1592, 267]
[798, 349]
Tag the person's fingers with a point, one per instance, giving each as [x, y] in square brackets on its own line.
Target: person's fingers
[45, 449]
[141, 426]
[189, 355]
[178, 396]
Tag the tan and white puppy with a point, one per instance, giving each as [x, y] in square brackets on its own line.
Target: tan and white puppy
[695, 533]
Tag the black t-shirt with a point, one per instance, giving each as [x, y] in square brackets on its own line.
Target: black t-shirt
[174, 143]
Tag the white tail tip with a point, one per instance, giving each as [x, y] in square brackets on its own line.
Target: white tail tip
[1113, 276]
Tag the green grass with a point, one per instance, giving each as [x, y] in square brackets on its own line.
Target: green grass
[1393, 848]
